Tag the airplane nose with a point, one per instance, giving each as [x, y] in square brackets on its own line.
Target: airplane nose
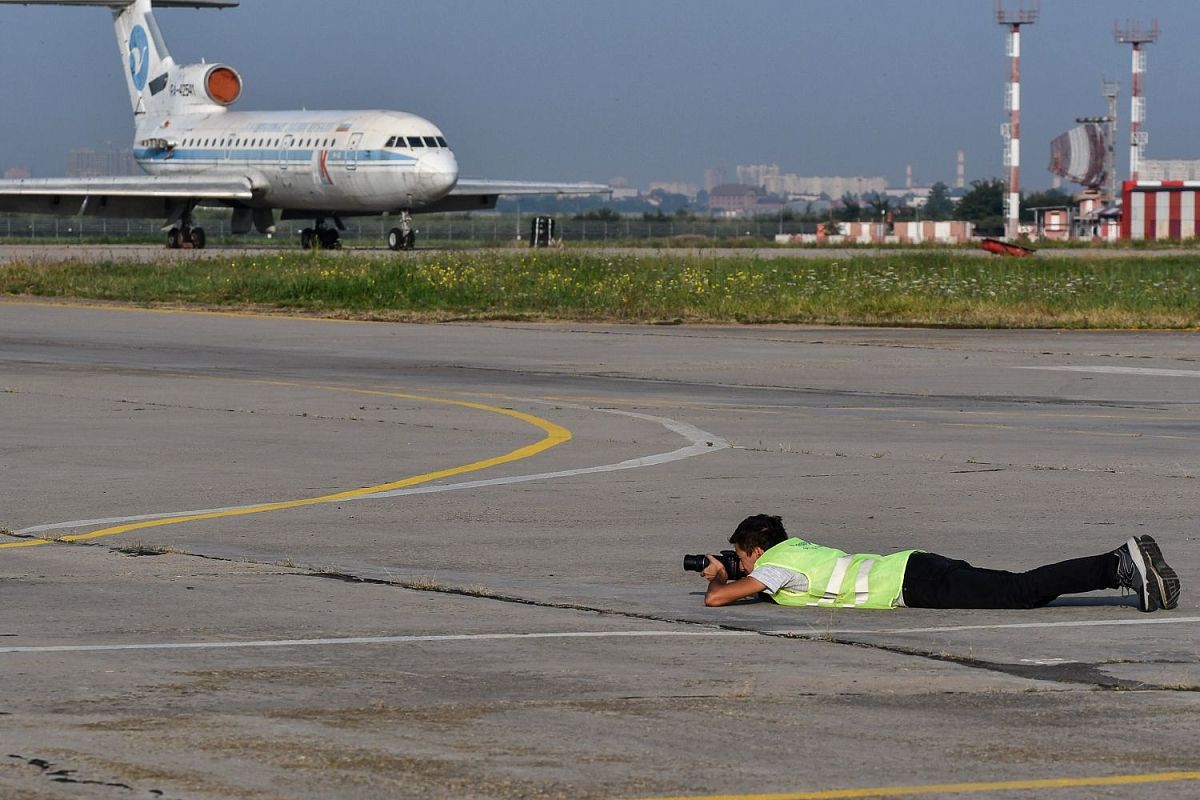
[438, 172]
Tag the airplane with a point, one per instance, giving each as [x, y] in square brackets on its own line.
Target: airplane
[319, 165]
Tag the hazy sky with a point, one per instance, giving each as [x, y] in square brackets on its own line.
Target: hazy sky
[657, 89]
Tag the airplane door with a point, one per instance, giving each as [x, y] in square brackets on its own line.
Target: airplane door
[285, 152]
[352, 152]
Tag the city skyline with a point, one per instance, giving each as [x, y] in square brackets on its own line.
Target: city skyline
[540, 90]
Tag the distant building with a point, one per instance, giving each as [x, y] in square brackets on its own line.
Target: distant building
[734, 199]
[714, 177]
[791, 185]
[88, 163]
[1177, 170]
[18, 173]
[756, 174]
[688, 190]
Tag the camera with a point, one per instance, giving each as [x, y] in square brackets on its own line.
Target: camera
[727, 558]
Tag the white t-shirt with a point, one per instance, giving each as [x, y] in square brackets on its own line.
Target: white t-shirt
[776, 578]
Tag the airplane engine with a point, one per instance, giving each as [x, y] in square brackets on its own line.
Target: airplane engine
[215, 83]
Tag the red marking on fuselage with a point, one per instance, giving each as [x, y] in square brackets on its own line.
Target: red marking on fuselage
[323, 161]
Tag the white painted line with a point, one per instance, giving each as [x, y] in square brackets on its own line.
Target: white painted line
[1166, 373]
[1094, 623]
[702, 442]
[369, 640]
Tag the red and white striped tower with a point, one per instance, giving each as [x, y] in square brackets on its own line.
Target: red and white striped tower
[1011, 130]
[1133, 34]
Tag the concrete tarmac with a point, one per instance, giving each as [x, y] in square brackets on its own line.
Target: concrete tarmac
[272, 557]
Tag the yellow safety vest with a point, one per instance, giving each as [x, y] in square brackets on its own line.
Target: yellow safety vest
[837, 579]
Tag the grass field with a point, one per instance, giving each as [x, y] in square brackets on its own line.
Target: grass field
[928, 289]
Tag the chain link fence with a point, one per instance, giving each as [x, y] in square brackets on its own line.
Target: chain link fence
[459, 230]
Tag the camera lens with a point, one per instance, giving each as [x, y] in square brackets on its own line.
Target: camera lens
[695, 563]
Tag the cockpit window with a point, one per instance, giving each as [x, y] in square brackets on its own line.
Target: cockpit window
[391, 142]
[430, 141]
[415, 141]
[441, 140]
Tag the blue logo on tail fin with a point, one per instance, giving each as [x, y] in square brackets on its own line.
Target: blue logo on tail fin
[139, 57]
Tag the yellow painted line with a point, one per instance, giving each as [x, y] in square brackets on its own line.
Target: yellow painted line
[555, 435]
[957, 788]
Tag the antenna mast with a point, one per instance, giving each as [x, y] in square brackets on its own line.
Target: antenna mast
[1133, 34]
[1011, 130]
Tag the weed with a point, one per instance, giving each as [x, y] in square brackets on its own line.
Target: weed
[945, 288]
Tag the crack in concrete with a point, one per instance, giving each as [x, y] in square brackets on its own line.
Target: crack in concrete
[1076, 673]
[53, 772]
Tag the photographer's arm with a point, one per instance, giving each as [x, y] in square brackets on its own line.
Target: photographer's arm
[721, 593]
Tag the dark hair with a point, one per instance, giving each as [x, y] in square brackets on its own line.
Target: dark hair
[760, 530]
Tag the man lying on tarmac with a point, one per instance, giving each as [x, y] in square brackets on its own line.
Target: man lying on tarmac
[793, 572]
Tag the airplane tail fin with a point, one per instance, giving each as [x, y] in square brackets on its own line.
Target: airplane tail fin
[148, 63]
[155, 82]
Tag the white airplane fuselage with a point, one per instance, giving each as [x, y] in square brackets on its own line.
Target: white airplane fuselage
[344, 161]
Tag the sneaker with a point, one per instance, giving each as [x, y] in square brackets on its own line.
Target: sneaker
[1163, 575]
[1132, 573]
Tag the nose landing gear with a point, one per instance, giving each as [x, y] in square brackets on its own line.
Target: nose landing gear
[403, 237]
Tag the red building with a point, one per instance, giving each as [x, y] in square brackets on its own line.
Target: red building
[1160, 210]
[734, 199]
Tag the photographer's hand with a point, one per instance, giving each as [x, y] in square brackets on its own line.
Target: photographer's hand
[715, 571]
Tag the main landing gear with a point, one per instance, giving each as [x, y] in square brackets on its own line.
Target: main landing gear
[186, 236]
[404, 237]
[321, 237]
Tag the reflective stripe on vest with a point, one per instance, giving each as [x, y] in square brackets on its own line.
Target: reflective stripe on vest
[862, 585]
[834, 587]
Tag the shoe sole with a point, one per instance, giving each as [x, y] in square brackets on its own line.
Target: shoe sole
[1164, 576]
[1146, 599]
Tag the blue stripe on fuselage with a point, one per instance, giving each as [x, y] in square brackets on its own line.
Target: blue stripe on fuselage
[269, 154]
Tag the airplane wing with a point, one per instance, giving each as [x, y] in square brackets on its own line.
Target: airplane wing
[473, 194]
[147, 197]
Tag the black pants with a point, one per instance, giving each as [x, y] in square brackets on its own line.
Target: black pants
[933, 581]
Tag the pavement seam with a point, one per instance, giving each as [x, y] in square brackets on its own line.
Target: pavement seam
[1073, 673]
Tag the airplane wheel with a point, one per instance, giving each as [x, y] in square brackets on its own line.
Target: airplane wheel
[410, 240]
[395, 239]
[330, 239]
[174, 239]
[199, 239]
[308, 239]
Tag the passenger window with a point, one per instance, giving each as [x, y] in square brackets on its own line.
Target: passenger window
[415, 141]
[430, 141]
[442, 142]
